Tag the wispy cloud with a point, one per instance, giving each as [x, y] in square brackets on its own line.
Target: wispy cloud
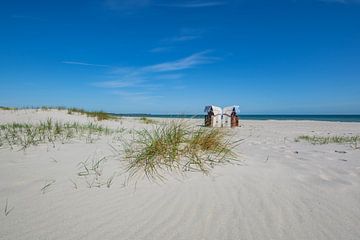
[184, 35]
[173, 76]
[136, 96]
[144, 82]
[195, 4]
[340, 1]
[122, 70]
[126, 4]
[181, 64]
[134, 75]
[118, 83]
[139, 76]
[160, 49]
[182, 38]
[138, 4]
[85, 64]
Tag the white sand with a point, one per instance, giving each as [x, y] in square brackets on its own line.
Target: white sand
[281, 190]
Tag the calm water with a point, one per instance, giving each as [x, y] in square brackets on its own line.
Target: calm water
[332, 118]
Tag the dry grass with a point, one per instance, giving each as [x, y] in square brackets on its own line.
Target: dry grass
[7, 108]
[207, 147]
[147, 120]
[353, 140]
[99, 115]
[175, 146]
[25, 135]
[7, 209]
[91, 172]
[153, 150]
[47, 185]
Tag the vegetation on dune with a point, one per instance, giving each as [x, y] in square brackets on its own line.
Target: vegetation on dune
[207, 147]
[99, 115]
[353, 140]
[49, 108]
[147, 120]
[76, 110]
[25, 135]
[176, 146]
[91, 171]
[167, 147]
[7, 209]
[7, 108]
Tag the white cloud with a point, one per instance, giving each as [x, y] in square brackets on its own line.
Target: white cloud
[196, 4]
[182, 38]
[136, 96]
[169, 76]
[341, 1]
[181, 64]
[84, 64]
[126, 4]
[118, 83]
[139, 83]
[160, 49]
[133, 4]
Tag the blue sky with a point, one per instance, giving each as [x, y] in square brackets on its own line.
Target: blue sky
[157, 56]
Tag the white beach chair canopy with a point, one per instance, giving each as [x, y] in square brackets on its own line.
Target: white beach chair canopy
[228, 110]
[216, 110]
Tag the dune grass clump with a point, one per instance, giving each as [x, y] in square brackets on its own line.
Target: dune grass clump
[207, 147]
[175, 146]
[7, 108]
[154, 150]
[147, 120]
[75, 110]
[354, 141]
[329, 139]
[91, 171]
[99, 115]
[25, 135]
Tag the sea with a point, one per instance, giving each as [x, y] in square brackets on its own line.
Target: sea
[331, 118]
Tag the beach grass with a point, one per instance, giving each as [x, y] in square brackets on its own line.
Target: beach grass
[329, 139]
[91, 171]
[206, 147]
[47, 185]
[152, 150]
[46, 108]
[147, 120]
[25, 135]
[99, 115]
[7, 209]
[7, 108]
[176, 146]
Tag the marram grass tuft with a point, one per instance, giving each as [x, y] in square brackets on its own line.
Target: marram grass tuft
[176, 147]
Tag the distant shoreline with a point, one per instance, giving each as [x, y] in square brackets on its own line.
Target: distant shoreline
[299, 117]
[328, 118]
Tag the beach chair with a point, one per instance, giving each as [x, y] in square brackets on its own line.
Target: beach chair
[213, 117]
[230, 118]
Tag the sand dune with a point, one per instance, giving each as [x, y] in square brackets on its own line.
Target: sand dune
[279, 189]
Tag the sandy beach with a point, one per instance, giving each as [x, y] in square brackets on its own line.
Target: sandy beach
[278, 189]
